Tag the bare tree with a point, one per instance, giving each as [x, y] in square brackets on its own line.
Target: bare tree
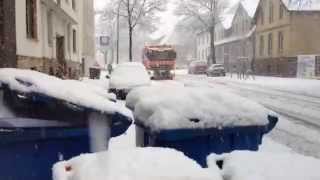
[208, 13]
[138, 12]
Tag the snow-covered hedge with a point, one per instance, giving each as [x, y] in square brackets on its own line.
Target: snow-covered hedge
[129, 75]
[176, 107]
[72, 91]
[133, 164]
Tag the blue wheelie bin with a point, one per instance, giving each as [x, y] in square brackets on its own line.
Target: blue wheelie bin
[43, 131]
[197, 144]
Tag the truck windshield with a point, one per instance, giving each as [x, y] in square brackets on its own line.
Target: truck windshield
[162, 55]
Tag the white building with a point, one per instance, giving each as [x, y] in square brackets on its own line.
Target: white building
[55, 36]
[234, 37]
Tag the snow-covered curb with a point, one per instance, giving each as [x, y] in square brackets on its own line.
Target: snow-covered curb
[306, 87]
[267, 166]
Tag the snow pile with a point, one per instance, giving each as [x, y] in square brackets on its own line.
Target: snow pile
[129, 75]
[269, 166]
[72, 91]
[101, 83]
[133, 164]
[174, 107]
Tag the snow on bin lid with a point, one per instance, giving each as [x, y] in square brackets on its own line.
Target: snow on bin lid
[173, 107]
[72, 91]
[268, 166]
[133, 164]
[129, 75]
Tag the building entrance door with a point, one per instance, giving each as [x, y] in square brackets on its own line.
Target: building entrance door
[60, 54]
[60, 49]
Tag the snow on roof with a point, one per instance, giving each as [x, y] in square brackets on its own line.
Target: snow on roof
[133, 164]
[267, 166]
[304, 5]
[129, 75]
[250, 6]
[227, 20]
[72, 91]
[175, 107]
[236, 38]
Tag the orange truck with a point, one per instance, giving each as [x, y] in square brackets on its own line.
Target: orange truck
[160, 61]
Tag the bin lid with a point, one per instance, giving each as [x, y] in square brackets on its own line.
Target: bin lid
[194, 108]
[71, 91]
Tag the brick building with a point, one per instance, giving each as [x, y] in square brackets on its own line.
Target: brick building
[50, 36]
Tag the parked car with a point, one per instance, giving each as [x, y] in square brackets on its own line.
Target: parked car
[198, 67]
[127, 76]
[216, 70]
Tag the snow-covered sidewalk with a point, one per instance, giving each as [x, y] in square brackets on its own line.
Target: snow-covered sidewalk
[307, 87]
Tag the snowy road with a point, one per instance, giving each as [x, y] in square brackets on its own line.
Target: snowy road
[299, 126]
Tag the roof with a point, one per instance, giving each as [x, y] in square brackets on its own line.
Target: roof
[250, 6]
[302, 5]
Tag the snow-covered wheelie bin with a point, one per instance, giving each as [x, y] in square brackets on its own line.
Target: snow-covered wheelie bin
[198, 121]
[44, 119]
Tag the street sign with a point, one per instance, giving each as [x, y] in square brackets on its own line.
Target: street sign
[104, 40]
[306, 66]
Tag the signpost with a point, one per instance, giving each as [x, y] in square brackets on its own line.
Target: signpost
[104, 42]
[306, 66]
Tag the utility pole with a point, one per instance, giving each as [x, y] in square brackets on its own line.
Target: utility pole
[118, 32]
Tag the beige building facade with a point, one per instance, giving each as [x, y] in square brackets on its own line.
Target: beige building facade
[53, 36]
[282, 33]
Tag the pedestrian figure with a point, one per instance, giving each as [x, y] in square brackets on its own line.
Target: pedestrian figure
[233, 70]
[250, 73]
[110, 68]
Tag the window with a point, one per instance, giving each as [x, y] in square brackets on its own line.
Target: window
[31, 19]
[49, 26]
[280, 41]
[74, 5]
[74, 42]
[281, 11]
[270, 44]
[262, 16]
[270, 12]
[2, 35]
[261, 49]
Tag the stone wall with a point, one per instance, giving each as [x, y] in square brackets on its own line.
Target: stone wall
[8, 45]
[68, 70]
[318, 66]
[280, 67]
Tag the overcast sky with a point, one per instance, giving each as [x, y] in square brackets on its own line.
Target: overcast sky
[99, 4]
[168, 19]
